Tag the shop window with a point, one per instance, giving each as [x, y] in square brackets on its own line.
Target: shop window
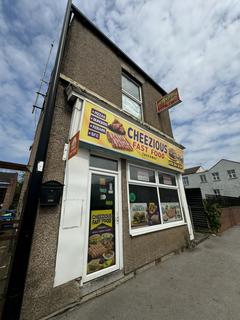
[215, 176]
[232, 174]
[153, 200]
[170, 205]
[142, 174]
[131, 97]
[167, 179]
[144, 209]
[185, 181]
[203, 178]
[103, 163]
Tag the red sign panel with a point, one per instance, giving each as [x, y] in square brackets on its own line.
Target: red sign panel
[168, 101]
[73, 145]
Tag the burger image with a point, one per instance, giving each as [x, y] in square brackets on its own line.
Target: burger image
[172, 154]
[139, 217]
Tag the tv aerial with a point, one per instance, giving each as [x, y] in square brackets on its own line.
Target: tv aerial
[42, 81]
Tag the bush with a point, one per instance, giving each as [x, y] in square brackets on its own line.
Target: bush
[213, 213]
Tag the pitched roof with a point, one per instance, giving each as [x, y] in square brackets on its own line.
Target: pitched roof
[191, 170]
[221, 161]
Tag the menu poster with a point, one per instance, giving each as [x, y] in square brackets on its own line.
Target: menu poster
[171, 211]
[138, 214]
[101, 253]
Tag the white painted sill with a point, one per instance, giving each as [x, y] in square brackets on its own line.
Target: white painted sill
[145, 230]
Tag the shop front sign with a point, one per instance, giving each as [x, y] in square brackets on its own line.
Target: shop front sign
[105, 129]
[73, 145]
[168, 101]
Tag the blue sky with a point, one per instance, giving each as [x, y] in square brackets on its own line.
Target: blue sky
[192, 45]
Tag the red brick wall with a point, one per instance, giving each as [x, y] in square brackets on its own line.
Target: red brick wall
[230, 217]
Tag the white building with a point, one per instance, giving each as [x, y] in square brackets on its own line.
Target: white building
[221, 179]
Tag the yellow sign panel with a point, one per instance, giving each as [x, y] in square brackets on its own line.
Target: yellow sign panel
[105, 129]
[101, 217]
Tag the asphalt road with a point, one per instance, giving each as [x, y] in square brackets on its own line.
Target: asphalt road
[201, 284]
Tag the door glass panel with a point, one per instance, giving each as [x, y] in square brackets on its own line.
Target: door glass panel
[103, 163]
[101, 240]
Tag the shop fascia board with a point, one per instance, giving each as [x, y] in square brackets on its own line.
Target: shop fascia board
[76, 90]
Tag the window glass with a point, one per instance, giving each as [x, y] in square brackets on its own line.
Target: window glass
[141, 174]
[144, 209]
[185, 181]
[131, 106]
[232, 174]
[103, 163]
[166, 179]
[215, 176]
[203, 178]
[170, 205]
[130, 87]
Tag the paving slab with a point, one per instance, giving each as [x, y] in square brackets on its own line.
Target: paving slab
[200, 284]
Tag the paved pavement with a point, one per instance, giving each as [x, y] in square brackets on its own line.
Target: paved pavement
[202, 284]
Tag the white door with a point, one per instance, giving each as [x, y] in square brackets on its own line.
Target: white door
[102, 254]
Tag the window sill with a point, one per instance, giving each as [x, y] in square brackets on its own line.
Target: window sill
[132, 116]
[161, 227]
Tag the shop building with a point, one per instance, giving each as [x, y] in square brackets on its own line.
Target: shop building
[123, 204]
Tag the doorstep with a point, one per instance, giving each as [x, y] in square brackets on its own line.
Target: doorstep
[101, 285]
[200, 237]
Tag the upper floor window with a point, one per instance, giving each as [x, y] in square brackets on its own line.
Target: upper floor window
[232, 174]
[203, 178]
[185, 181]
[215, 176]
[131, 97]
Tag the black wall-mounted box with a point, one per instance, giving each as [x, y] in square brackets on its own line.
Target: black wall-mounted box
[51, 192]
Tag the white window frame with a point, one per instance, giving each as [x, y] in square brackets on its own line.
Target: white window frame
[127, 94]
[148, 229]
[232, 174]
[203, 178]
[216, 176]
